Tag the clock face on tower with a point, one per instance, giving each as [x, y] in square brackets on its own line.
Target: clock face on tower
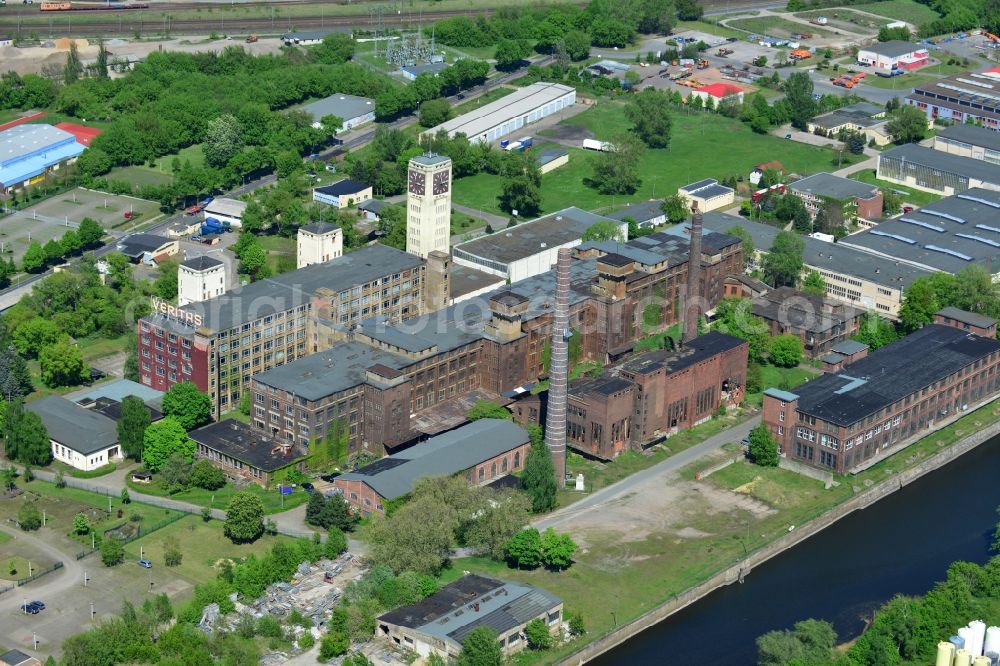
[441, 182]
[417, 182]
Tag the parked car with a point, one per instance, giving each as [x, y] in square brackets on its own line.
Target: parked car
[907, 209]
[308, 487]
[145, 564]
[31, 607]
[38, 604]
[330, 477]
[460, 95]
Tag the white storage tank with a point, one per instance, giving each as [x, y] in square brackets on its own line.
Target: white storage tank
[978, 633]
[969, 639]
[992, 643]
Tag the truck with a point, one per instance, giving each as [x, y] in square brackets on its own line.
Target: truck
[213, 226]
[251, 39]
[703, 64]
[594, 144]
[526, 142]
[513, 145]
[724, 52]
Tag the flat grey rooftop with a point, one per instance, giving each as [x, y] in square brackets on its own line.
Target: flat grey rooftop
[84, 430]
[466, 280]
[518, 103]
[834, 187]
[834, 257]
[946, 235]
[894, 48]
[640, 212]
[529, 238]
[343, 106]
[443, 455]
[966, 317]
[942, 161]
[973, 135]
[23, 139]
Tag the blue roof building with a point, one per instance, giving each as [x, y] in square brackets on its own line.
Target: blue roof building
[29, 151]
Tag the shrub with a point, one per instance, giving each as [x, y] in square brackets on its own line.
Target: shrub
[306, 641]
[29, 517]
[112, 552]
[538, 635]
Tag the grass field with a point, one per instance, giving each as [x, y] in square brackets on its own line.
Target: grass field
[901, 10]
[911, 196]
[492, 95]
[903, 83]
[280, 253]
[219, 499]
[662, 171]
[710, 28]
[841, 17]
[203, 545]
[776, 26]
[140, 175]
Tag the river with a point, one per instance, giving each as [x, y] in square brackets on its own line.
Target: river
[901, 545]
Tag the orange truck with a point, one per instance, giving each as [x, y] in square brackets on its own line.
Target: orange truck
[800, 54]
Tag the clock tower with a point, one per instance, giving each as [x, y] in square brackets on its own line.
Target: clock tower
[428, 205]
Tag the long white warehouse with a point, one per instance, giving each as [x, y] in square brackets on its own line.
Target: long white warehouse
[510, 113]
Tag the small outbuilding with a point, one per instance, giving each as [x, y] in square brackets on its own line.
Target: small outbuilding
[343, 193]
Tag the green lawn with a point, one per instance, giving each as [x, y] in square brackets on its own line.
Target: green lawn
[710, 28]
[775, 26]
[901, 10]
[784, 378]
[4, 537]
[910, 195]
[844, 18]
[203, 545]
[192, 154]
[95, 347]
[493, 95]
[219, 499]
[904, 83]
[280, 253]
[140, 175]
[661, 171]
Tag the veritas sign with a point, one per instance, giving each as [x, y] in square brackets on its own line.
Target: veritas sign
[175, 312]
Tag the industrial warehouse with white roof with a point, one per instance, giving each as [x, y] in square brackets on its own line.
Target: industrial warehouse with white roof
[28, 152]
[510, 113]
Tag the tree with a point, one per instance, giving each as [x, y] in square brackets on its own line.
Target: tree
[135, 418]
[510, 52]
[433, 112]
[333, 644]
[337, 47]
[605, 230]
[575, 621]
[920, 302]
[520, 186]
[783, 264]
[34, 258]
[798, 93]
[26, 437]
[188, 405]
[814, 284]
[336, 543]
[223, 139]
[176, 472]
[907, 124]
[486, 409]
[206, 475]
[811, 642]
[101, 64]
[887, 34]
[493, 525]
[616, 171]
[53, 251]
[112, 552]
[748, 246]
[786, 351]
[538, 635]
[577, 45]
[331, 125]
[253, 259]
[829, 218]
[29, 518]
[524, 550]
[649, 113]
[407, 541]
[124, 496]
[90, 232]
[31, 336]
[62, 365]
[675, 207]
[689, 10]
[166, 280]
[172, 553]
[244, 517]
[763, 448]
[481, 648]
[539, 478]
[73, 67]
[162, 439]
[80, 524]
[875, 331]
[557, 550]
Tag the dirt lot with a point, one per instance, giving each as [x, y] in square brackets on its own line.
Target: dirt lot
[32, 59]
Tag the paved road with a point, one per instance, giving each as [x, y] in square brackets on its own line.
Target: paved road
[632, 483]
[50, 586]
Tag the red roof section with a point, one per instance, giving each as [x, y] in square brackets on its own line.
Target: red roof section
[82, 133]
[995, 70]
[720, 89]
[20, 121]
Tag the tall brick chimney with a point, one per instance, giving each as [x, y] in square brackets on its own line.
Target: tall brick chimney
[691, 310]
[555, 420]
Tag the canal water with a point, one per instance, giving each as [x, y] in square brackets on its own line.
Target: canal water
[901, 545]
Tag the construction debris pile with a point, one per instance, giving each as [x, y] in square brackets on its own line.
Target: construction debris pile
[314, 591]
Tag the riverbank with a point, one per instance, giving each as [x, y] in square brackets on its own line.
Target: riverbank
[952, 437]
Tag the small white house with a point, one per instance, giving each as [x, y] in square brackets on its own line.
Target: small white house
[82, 438]
[343, 193]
